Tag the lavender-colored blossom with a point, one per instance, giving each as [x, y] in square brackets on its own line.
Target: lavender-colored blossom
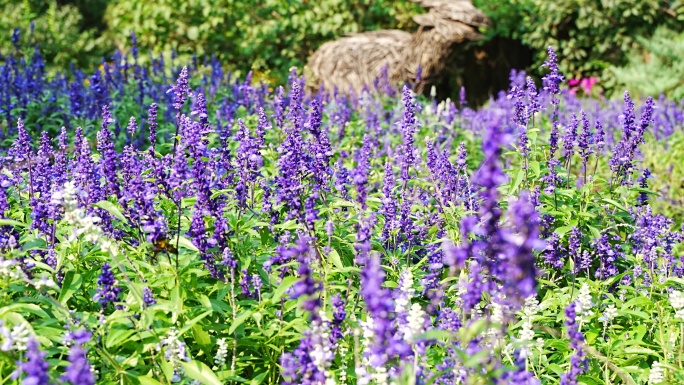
[653, 238]
[408, 130]
[148, 297]
[519, 108]
[16, 35]
[462, 102]
[360, 173]
[199, 237]
[132, 126]
[584, 139]
[341, 178]
[578, 362]
[533, 105]
[181, 90]
[551, 82]
[258, 284]
[553, 79]
[339, 315]
[380, 306]
[570, 137]
[291, 163]
[35, 370]
[248, 161]
[59, 167]
[152, 124]
[20, 151]
[520, 278]
[607, 254]
[389, 205]
[108, 291]
[200, 110]
[622, 162]
[245, 283]
[599, 137]
[307, 286]
[78, 371]
[642, 199]
[310, 210]
[109, 160]
[497, 251]
[262, 126]
[279, 106]
[574, 247]
[319, 148]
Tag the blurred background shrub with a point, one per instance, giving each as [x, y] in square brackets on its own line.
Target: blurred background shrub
[630, 44]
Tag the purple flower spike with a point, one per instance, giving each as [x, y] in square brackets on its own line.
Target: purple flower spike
[35, 371]
[408, 130]
[181, 90]
[152, 123]
[553, 79]
[107, 291]
[578, 362]
[78, 371]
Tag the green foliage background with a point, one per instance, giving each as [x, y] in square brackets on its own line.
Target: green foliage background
[593, 38]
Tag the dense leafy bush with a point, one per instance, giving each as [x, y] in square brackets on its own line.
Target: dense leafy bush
[225, 233]
[270, 37]
[655, 67]
[591, 36]
[58, 30]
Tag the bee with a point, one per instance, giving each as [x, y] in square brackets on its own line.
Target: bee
[163, 245]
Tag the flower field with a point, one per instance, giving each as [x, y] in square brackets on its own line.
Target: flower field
[167, 224]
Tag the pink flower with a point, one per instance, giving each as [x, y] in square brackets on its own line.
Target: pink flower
[585, 83]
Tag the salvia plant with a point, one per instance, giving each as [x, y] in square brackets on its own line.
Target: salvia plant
[172, 224]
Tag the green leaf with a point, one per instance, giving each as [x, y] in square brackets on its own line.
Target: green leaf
[193, 321]
[334, 257]
[614, 203]
[147, 380]
[282, 288]
[594, 232]
[257, 317]
[118, 337]
[112, 209]
[25, 307]
[185, 242]
[563, 230]
[518, 181]
[9, 222]
[201, 336]
[637, 301]
[434, 334]
[239, 320]
[72, 282]
[641, 350]
[193, 33]
[258, 379]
